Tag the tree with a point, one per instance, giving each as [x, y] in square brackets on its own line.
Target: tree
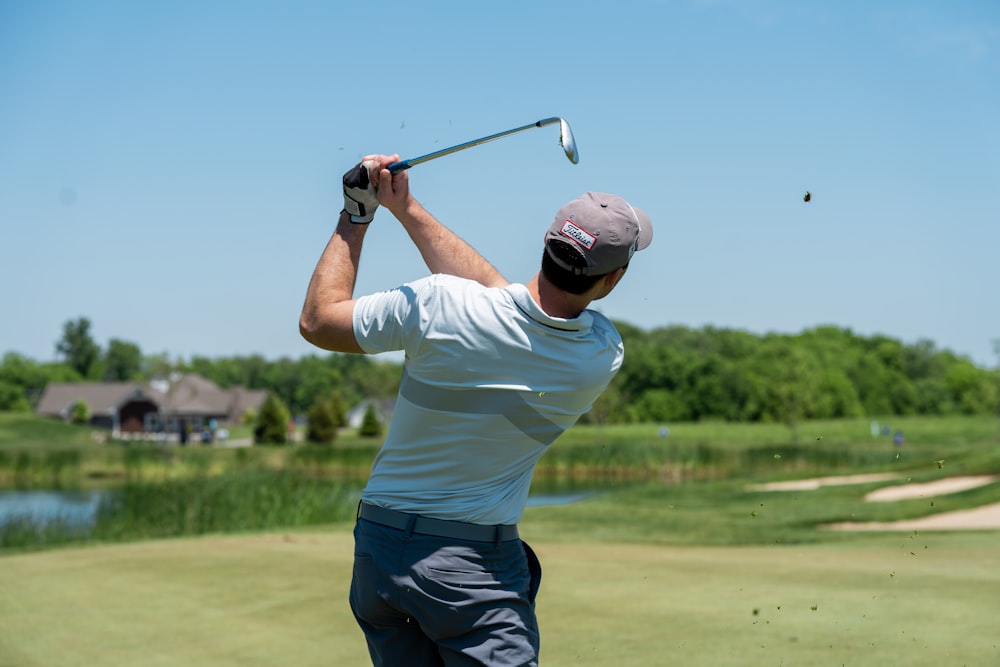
[23, 381]
[837, 397]
[122, 361]
[77, 346]
[323, 424]
[339, 411]
[81, 412]
[157, 366]
[996, 376]
[272, 422]
[370, 425]
[971, 389]
[662, 405]
[12, 399]
[610, 407]
[792, 386]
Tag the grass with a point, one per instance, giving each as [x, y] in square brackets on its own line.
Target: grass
[23, 431]
[33, 452]
[280, 598]
[687, 488]
[676, 561]
[727, 513]
[241, 501]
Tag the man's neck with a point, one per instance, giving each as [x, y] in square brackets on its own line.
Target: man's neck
[553, 301]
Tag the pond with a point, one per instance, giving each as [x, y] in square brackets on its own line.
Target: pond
[41, 507]
[78, 509]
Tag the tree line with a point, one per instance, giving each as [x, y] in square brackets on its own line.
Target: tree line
[670, 374]
[677, 373]
[298, 383]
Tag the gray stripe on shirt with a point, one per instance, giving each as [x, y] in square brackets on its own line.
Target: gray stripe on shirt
[509, 403]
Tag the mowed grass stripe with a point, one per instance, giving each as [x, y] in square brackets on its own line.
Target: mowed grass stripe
[249, 600]
[280, 598]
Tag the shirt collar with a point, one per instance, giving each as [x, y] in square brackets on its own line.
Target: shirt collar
[522, 299]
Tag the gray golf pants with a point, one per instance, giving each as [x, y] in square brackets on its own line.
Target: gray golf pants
[428, 601]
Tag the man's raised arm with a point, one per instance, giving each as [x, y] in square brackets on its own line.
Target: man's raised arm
[443, 250]
[327, 319]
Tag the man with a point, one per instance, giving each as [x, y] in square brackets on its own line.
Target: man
[494, 372]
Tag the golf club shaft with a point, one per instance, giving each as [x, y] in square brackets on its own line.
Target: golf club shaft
[412, 162]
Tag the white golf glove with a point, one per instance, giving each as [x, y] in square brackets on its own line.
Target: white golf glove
[360, 200]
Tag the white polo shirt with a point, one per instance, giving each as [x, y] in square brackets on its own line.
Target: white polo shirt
[489, 382]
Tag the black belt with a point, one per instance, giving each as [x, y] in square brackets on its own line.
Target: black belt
[458, 530]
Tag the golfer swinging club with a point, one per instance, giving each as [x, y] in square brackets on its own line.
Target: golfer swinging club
[494, 372]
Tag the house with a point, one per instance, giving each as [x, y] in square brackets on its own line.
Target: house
[383, 411]
[183, 402]
[119, 406]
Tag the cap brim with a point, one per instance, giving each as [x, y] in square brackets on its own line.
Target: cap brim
[645, 228]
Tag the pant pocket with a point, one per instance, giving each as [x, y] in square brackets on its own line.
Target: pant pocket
[364, 598]
[535, 569]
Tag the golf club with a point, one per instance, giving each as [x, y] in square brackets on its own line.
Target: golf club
[565, 139]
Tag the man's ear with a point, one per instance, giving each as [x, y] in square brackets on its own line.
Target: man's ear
[611, 279]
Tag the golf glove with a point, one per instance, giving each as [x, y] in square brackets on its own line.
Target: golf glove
[360, 200]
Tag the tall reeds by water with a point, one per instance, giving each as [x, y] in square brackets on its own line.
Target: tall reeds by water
[155, 492]
[233, 502]
[158, 491]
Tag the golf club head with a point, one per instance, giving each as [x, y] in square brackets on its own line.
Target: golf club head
[567, 141]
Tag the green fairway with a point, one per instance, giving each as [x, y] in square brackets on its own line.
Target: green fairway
[23, 431]
[675, 557]
[281, 599]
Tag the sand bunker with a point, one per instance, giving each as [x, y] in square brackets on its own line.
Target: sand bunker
[939, 487]
[816, 482]
[979, 518]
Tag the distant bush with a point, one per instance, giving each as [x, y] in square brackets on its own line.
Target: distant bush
[12, 398]
[323, 422]
[272, 423]
[81, 412]
[370, 425]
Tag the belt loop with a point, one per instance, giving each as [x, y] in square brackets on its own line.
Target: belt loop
[410, 522]
[358, 515]
[499, 535]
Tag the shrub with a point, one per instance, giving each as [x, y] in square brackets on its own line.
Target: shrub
[81, 412]
[322, 422]
[12, 399]
[370, 425]
[272, 423]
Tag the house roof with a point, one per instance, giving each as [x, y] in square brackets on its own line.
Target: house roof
[102, 398]
[186, 395]
[192, 395]
[244, 399]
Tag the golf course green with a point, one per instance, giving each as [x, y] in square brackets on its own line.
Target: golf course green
[281, 599]
[682, 551]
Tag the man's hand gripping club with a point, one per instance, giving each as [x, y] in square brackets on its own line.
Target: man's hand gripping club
[360, 197]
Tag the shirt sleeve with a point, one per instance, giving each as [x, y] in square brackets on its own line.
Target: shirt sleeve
[379, 319]
[384, 321]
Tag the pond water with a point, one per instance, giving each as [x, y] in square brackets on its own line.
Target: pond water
[75, 508]
[79, 508]
[543, 499]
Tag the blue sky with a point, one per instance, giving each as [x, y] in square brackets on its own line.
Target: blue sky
[171, 170]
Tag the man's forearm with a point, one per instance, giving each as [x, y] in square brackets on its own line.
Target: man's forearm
[443, 250]
[326, 319]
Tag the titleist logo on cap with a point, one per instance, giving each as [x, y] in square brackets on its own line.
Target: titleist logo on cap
[603, 228]
[578, 234]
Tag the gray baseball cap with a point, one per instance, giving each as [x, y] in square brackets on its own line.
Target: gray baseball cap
[604, 228]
